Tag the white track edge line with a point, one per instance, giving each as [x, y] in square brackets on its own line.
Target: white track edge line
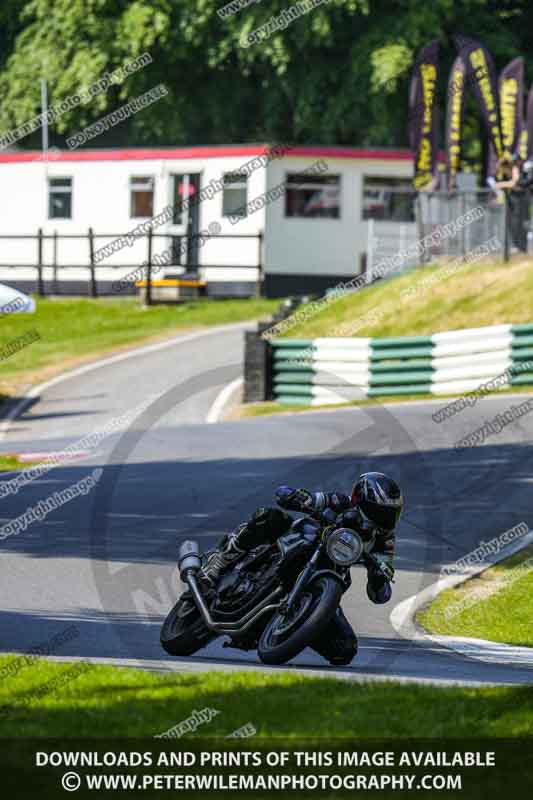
[222, 399]
[180, 667]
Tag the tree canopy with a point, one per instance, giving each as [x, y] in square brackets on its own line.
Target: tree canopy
[339, 74]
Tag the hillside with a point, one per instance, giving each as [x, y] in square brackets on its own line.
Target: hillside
[428, 300]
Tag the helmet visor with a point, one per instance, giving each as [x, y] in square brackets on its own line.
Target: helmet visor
[384, 517]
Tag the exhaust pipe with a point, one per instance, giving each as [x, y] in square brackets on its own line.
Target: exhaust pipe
[189, 562]
[188, 558]
[268, 605]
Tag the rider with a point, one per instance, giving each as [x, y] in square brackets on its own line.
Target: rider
[373, 509]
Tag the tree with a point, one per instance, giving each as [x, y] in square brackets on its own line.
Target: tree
[338, 74]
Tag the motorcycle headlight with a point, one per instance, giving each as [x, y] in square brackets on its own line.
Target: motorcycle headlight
[344, 547]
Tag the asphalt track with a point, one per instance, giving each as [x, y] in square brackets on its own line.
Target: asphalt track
[105, 563]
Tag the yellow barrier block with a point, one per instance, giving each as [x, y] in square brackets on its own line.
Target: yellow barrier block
[172, 282]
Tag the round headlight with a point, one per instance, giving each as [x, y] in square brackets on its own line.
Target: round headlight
[344, 547]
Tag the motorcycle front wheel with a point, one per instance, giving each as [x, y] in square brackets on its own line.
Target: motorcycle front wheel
[286, 636]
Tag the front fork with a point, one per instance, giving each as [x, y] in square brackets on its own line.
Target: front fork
[301, 583]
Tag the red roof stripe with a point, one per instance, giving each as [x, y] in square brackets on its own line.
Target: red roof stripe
[141, 154]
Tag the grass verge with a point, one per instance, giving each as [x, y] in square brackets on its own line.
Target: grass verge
[438, 299]
[271, 407]
[10, 463]
[422, 302]
[74, 699]
[75, 330]
[497, 605]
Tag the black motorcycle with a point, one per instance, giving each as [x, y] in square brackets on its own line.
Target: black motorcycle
[278, 598]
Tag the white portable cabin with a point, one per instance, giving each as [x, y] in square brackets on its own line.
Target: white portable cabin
[298, 220]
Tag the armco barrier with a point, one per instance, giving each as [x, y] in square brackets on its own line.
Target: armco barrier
[337, 370]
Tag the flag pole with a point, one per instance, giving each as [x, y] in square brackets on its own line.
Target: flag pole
[44, 110]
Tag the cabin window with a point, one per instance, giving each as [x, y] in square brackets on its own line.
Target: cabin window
[59, 198]
[234, 196]
[388, 199]
[313, 196]
[141, 197]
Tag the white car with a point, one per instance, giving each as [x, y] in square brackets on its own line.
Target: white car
[14, 302]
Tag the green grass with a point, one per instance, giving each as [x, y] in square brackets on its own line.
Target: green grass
[272, 407]
[9, 463]
[482, 293]
[107, 701]
[75, 329]
[497, 605]
[440, 298]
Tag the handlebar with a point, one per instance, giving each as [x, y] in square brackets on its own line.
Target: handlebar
[327, 517]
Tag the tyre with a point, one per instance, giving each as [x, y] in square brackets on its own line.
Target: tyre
[184, 632]
[286, 636]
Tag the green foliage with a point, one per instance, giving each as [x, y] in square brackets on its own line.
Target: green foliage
[338, 74]
[388, 64]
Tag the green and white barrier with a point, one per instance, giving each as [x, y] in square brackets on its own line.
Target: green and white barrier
[337, 370]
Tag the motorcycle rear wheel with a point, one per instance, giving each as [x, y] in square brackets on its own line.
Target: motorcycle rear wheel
[184, 632]
[286, 637]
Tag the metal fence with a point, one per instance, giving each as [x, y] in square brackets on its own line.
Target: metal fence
[409, 242]
[51, 272]
[435, 210]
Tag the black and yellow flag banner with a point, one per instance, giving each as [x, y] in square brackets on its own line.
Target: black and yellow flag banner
[511, 85]
[455, 120]
[423, 122]
[511, 97]
[481, 74]
[527, 145]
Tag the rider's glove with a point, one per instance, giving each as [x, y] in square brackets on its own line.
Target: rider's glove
[378, 586]
[378, 592]
[386, 568]
[294, 499]
[329, 516]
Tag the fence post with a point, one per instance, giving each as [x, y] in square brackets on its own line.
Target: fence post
[55, 287]
[257, 365]
[463, 229]
[94, 292]
[506, 220]
[402, 244]
[419, 218]
[40, 284]
[148, 290]
[260, 276]
[370, 251]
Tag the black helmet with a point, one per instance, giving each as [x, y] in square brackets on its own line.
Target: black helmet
[379, 498]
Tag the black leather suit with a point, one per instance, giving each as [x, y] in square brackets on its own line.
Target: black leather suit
[339, 644]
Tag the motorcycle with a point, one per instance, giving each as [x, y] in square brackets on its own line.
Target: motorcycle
[277, 599]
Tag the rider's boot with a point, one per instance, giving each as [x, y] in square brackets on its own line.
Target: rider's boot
[338, 643]
[224, 557]
[264, 525]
